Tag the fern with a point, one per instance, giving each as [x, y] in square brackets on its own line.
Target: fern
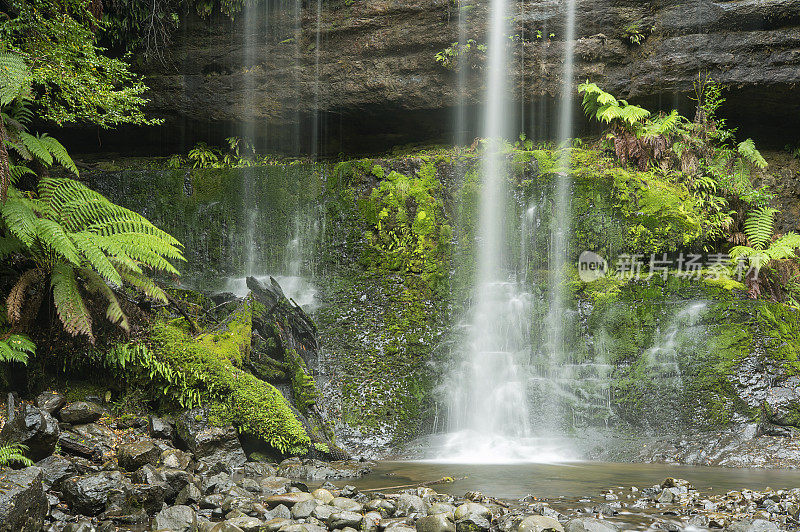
[78, 238]
[759, 227]
[38, 149]
[15, 77]
[16, 348]
[59, 152]
[14, 453]
[747, 149]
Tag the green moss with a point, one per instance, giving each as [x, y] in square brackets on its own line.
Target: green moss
[234, 397]
[232, 340]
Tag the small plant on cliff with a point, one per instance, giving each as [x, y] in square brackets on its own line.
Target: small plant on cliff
[455, 56]
[771, 258]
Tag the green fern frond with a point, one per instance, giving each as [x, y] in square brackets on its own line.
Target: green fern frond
[10, 245]
[784, 247]
[632, 114]
[97, 285]
[52, 237]
[14, 453]
[59, 152]
[756, 258]
[84, 242]
[759, 227]
[16, 348]
[18, 171]
[609, 113]
[747, 149]
[15, 77]
[69, 302]
[19, 217]
[36, 147]
[144, 284]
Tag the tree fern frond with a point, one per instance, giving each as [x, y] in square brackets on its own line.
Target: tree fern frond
[10, 245]
[16, 348]
[632, 114]
[97, 285]
[37, 148]
[756, 257]
[759, 227]
[747, 149]
[14, 453]
[52, 236]
[18, 171]
[16, 297]
[15, 77]
[784, 247]
[84, 242]
[145, 285]
[59, 152]
[19, 218]
[69, 302]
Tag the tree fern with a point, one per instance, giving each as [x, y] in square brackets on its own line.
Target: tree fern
[16, 348]
[78, 238]
[38, 149]
[14, 453]
[59, 152]
[759, 227]
[15, 77]
[69, 303]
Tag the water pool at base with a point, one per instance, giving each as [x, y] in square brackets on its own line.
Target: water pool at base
[568, 480]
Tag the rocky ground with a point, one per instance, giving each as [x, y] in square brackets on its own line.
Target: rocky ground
[96, 473]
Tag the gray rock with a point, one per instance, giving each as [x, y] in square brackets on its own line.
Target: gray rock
[50, 402]
[132, 456]
[90, 494]
[175, 459]
[81, 413]
[258, 470]
[753, 525]
[323, 511]
[276, 523]
[81, 526]
[371, 521]
[472, 523]
[442, 508]
[471, 508]
[287, 499]
[411, 504]
[539, 523]
[189, 494]
[160, 428]
[344, 519]
[348, 505]
[435, 523]
[54, 470]
[281, 511]
[34, 428]
[23, 505]
[176, 519]
[226, 526]
[303, 509]
[323, 495]
[210, 443]
[246, 523]
[588, 524]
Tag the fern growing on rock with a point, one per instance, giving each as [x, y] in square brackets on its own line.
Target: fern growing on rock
[766, 251]
[79, 244]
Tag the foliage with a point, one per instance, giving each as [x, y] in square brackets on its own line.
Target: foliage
[763, 250]
[406, 222]
[14, 453]
[636, 33]
[73, 79]
[16, 348]
[455, 56]
[79, 242]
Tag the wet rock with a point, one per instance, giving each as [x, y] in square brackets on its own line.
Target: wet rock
[175, 459]
[23, 505]
[303, 509]
[408, 504]
[34, 428]
[435, 523]
[81, 413]
[323, 495]
[753, 525]
[246, 523]
[442, 508]
[471, 508]
[323, 512]
[384, 506]
[160, 428]
[148, 496]
[287, 499]
[54, 470]
[132, 456]
[371, 521]
[588, 524]
[225, 526]
[319, 470]
[81, 526]
[176, 519]
[189, 494]
[50, 402]
[276, 523]
[539, 523]
[209, 443]
[89, 494]
[344, 519]
[258, 470]
[348, 505]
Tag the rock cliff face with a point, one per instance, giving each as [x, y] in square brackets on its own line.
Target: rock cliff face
[369, 66]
